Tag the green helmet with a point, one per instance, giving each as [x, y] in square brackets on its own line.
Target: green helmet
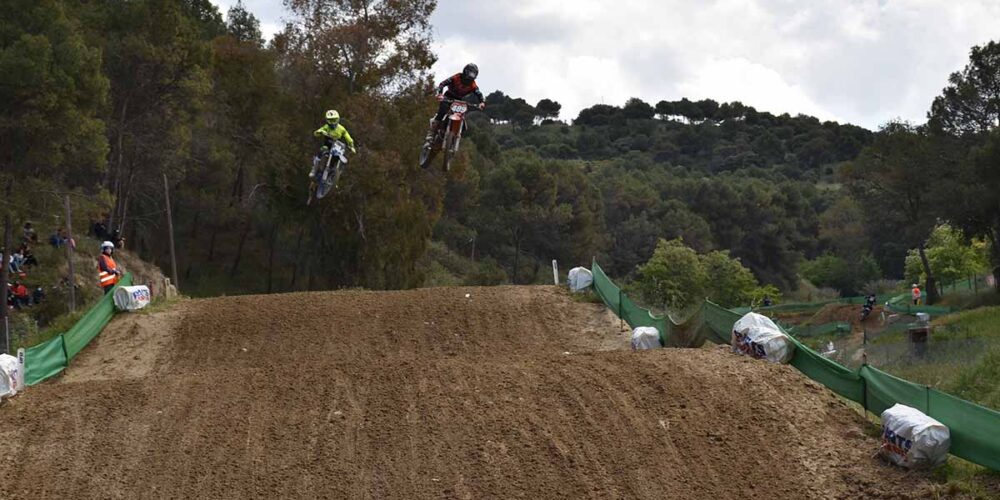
[332, 118]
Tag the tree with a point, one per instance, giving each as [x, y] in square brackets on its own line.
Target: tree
[970, 104]
[548, 109]
[377, 45]
[674, 277]
[598, 114]
[665, 109]
[847, 277]
[895, 180]
[52, 93]
[637, 109]
[950, 256]
[982, 199]
[243, 25]
[728, 282]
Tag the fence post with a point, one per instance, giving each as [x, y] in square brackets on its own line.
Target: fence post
[4, 290]
[70, 243]
[170, 229]
[555, 272]
[621, 319]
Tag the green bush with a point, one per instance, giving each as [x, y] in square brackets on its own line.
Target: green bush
[487, 274]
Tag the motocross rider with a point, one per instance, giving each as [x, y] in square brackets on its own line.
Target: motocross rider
[459, 85]
[333, 131]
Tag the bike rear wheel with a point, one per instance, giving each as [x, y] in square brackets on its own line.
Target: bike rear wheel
[427, 155]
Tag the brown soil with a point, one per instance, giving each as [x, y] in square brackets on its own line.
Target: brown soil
[832, 313]
[510, 393]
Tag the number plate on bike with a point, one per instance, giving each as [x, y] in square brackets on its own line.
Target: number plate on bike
[459, 107]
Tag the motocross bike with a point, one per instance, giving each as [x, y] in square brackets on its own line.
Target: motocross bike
[866, 310]
[448, 134]
[332, 164]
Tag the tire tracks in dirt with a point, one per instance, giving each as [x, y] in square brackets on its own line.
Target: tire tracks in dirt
[515, 392]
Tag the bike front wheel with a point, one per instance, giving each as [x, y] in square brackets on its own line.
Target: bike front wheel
[449, 150]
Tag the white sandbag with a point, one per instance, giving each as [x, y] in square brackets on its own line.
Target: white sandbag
[912, 439]
[10, 376]
[132, 298]
[645, 337]
[757, 336]
[580, 279]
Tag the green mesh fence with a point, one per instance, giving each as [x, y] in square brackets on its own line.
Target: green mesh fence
[50, 358]
[975, 430]
[44, 360]
[93, 322]
[838, 327]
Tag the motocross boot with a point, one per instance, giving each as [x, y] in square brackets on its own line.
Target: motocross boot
[432, 132]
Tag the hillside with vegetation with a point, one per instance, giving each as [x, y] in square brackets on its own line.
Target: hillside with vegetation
[166, 89]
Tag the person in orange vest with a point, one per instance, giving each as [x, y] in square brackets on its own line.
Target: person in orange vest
[107, 269]
[916, 294]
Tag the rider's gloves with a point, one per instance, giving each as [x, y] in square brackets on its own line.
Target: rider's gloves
[440, 97]
[482, 105]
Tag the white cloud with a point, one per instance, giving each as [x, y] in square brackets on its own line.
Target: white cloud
[269, 12]
[849, 60]
[862, 61]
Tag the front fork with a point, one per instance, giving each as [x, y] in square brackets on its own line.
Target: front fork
[456, 132]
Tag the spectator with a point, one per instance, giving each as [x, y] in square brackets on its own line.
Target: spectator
[38, 296]
[29, 256]
[21, 297]
[767, 301]
[13, 264]
[117, 238]
[30, 235]
[916, 294]
[56, 240]
[99, 229]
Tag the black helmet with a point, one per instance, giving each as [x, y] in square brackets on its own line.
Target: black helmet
[470, 72]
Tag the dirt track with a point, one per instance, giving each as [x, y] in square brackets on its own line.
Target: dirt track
[512, 393]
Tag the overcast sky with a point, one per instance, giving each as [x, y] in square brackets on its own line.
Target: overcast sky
[858, 61]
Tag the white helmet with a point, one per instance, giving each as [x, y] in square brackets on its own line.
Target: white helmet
[107, 244]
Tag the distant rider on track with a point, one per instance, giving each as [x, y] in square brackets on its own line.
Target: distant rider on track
[459, 85]
[333, 131]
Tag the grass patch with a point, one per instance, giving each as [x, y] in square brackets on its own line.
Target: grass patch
[977, 323]
[587, 296]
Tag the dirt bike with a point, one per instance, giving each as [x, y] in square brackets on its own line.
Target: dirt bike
[448, 134]
[866, 310]
[333, 162]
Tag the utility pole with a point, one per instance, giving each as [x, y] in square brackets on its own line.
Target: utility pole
[5, 264]
[69, 256]
[170, 229]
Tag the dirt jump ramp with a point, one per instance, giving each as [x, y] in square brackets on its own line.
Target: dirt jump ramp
[512, 392]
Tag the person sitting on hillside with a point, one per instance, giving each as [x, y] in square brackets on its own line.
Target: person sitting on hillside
[117, 239]
[17, 261]
[29, 256]
[58, 238]
[458, 87]
[332, 131]
[29, 235]
[99, 229]
[20, 292]
[38, 296]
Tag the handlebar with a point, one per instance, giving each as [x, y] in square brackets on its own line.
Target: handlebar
[450, 101]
